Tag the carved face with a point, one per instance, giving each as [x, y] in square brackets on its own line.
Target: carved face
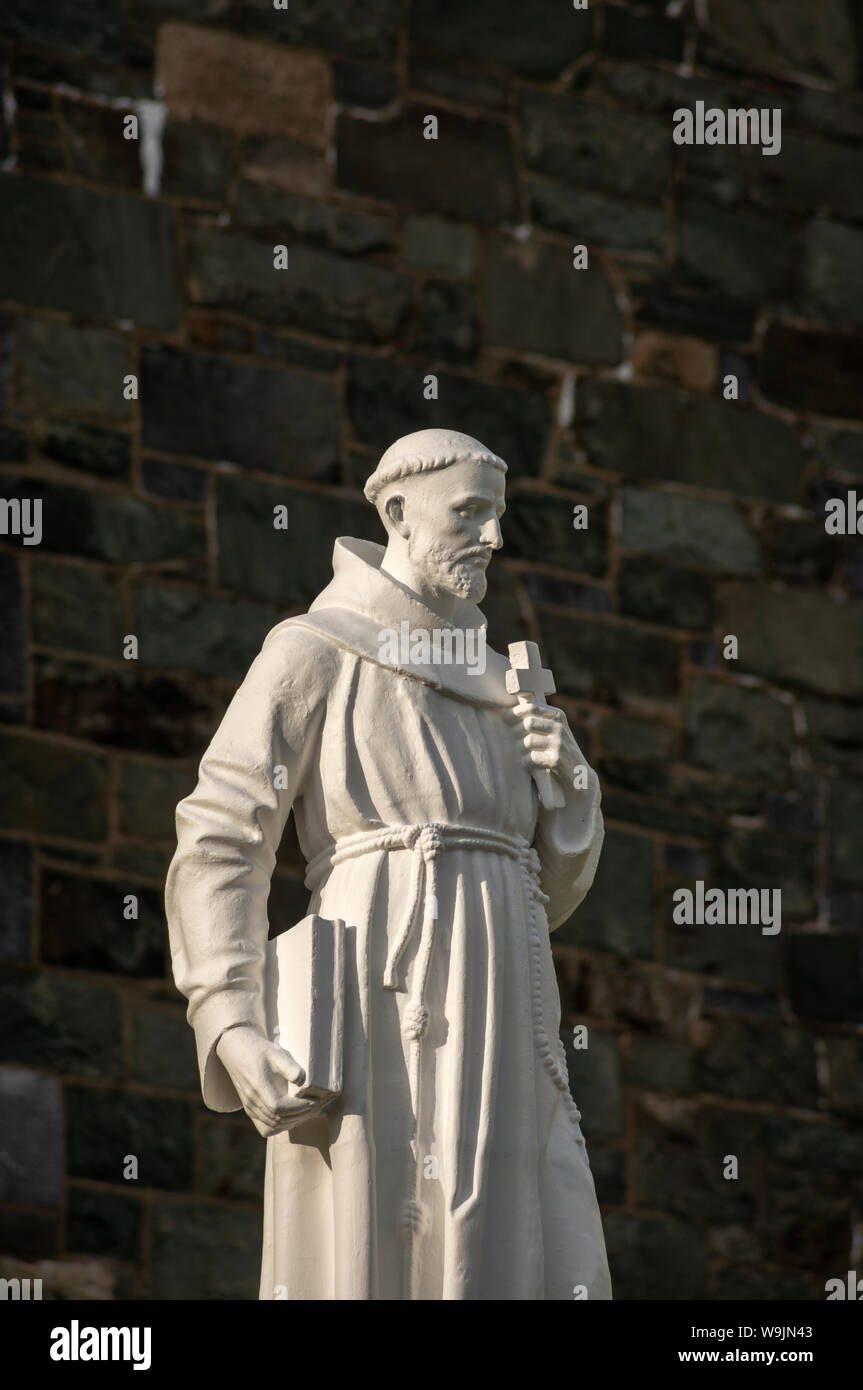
[452, 517]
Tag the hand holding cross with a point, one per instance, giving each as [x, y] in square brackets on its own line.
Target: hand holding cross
[528, 678]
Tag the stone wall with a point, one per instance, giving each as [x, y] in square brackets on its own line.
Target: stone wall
[605, 386]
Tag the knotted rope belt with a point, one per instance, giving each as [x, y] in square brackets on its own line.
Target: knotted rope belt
[428, 843]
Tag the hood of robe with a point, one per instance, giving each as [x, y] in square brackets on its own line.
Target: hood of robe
[361, 606]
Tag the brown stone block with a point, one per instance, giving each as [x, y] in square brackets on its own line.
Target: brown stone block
[255, 88]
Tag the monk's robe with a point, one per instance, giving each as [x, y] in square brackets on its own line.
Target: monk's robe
[452, 1165]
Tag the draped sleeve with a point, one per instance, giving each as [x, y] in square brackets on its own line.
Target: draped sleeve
[228, 833]
[569, 842]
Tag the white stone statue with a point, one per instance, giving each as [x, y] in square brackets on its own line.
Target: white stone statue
[449, 823]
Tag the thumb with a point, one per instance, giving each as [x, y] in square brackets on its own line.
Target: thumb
[283, 1062]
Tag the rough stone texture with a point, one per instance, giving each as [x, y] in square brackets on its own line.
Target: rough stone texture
[30, 1111]
[94, 270]
[60, 366]
[688, 531]
[466, 172]
[318, 292]
[768, 623]
[536, 302]
[262, 388]
[649, 432]
[254, 88]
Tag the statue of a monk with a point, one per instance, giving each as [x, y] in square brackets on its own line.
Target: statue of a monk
[452, 1163]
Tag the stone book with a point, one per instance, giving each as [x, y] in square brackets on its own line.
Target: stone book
[310, 1002]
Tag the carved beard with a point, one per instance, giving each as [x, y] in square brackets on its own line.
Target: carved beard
[445, 573]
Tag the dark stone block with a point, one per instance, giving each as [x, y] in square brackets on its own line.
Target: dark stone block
[76, 608]
[539, 527]
[458, 82]
[664, 304]
[104, 1128]
[608, 1167]
[748, 256]
[535, 301]
[97, 269]
[598, 219]
[810, 173]
[736, 730]
[177, 482]
[641, 36]
[16, 900]
[747, 1061]
[591, 146]
[845, 817]
[385, 401]
[594, 1081]
[654, 1257]
[205, 1250]
[107, 453]
[844, 1064]
[103, 1223]
[717, 999]
[360, 84]
[549, 589]
[98, 149]
[764, 859]
[31, 1125]
[663, 594]
[197, 161]
[184, 629]
[171, 717]
[336, 26]
[467, 171]
[264, 210]
[92, 27]
[801, 551]
[833, 274]
[679, 1167]
[107, 526]
[84, 926]
[597, 661]
[259, 417]
[147, 797]
[232, 1162]
[319, 292]
[163, 1050]
[14, 445]
[292, 566]
[489, 33]
[835, 734]
[782, 40]
[688, 530]
[807, 1221]
[13, 628]
[653, 432]
[64, 1025]
[626, 737]
[29, 1235]
[812, 370]
[62, 366]
[77, 807]
[768, 624]
[446, 326]
[749, 1283]
[433, 244]
[825, 977]
[660, 1064]
[617, 914]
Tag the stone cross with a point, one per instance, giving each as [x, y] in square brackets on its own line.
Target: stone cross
[528, 678]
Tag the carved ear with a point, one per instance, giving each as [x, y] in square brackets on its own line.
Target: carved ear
[395, 512]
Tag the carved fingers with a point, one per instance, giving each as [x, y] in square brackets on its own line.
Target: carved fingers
[546, 739]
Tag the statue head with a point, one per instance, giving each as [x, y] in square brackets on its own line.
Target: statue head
[440, 496]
